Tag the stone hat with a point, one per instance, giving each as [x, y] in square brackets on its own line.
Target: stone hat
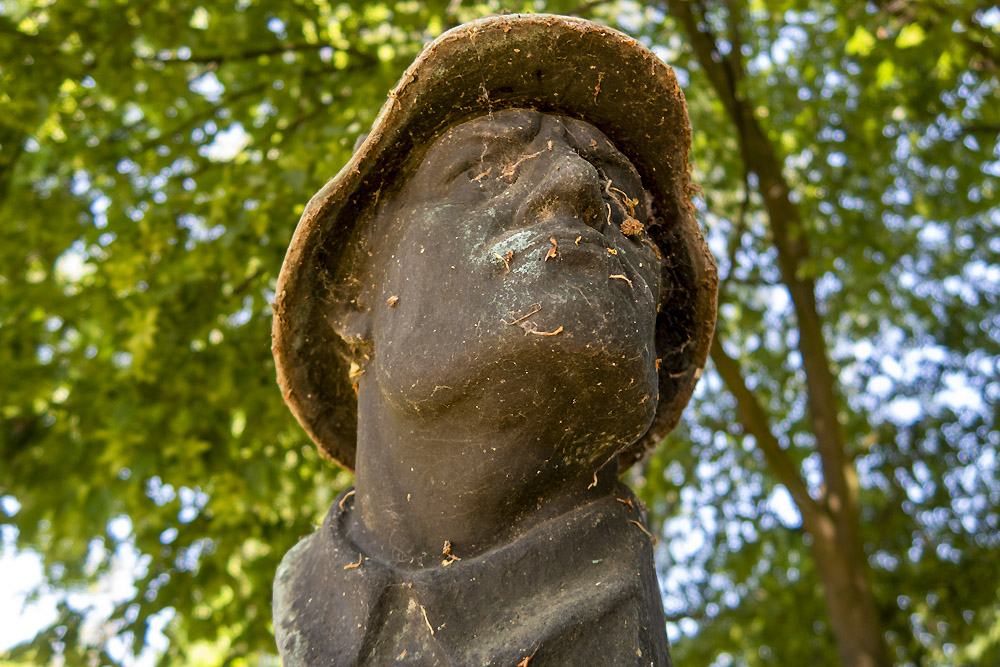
[551, 64]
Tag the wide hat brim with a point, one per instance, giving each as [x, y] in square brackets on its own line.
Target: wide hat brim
[552, 64]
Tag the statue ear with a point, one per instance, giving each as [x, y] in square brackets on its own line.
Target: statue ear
[353, 323]
[349, 304]
[350, 283]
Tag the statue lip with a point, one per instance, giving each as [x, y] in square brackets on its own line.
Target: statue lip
[573, 239]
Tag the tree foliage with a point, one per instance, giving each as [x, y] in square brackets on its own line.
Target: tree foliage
[155, 155]
[878, 267]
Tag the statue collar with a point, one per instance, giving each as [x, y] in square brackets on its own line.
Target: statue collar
[570, 585]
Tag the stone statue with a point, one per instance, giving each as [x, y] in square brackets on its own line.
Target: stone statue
[497, 306]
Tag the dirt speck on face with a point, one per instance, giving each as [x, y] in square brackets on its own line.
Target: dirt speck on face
[552, 251]
[631, 227]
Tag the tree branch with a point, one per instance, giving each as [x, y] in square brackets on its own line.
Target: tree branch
[906, 12]
[739, 227]
[220, 58]
[735, 58]
[11, 148]
[986, 128]
[206, 113]
[793, 251]
[755, 422]
[584, 8]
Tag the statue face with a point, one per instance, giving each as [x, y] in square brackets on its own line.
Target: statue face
[504, 291]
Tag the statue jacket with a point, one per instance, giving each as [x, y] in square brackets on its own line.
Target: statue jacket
[578, 589]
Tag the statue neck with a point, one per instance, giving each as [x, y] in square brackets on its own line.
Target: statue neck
[422, 482]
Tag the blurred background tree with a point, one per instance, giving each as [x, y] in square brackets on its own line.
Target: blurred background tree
[833, 496]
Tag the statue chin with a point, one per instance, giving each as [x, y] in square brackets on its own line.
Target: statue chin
[503, 382]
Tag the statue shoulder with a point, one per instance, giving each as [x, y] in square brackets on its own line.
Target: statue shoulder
[324, 582]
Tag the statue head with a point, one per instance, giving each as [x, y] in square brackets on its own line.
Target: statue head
[513, 243]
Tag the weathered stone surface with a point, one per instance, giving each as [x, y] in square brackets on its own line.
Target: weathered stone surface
[498, 305]
[577, 589]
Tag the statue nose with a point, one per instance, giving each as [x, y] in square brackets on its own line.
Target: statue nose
[564, 184]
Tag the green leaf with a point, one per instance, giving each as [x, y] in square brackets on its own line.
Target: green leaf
[911, 35]
[861, 43]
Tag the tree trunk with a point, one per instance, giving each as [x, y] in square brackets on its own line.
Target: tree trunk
[832, 519]
[854, 619]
